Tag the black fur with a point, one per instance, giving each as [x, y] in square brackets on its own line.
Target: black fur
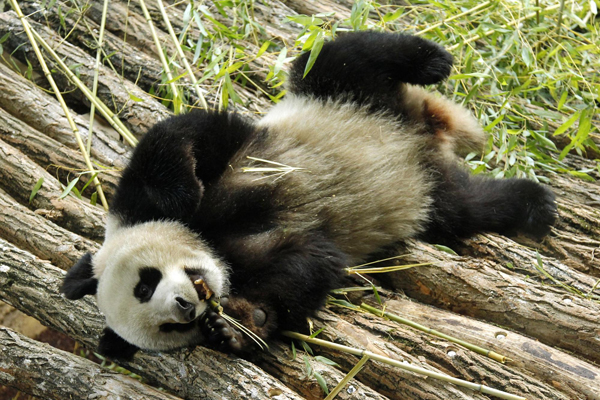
[115, 347]
[149, 280]
[465, 205]
[368, 68]
[197, 146]
[80, 279]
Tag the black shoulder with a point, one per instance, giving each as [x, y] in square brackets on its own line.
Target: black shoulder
[173, 162]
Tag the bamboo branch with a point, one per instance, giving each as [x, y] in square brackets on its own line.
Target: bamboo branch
[182, 56]
[403, 365]
[48, 75]
[176, 96]
[491, 31]
[97, 67]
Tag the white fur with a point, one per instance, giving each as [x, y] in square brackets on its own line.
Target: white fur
[169, 247]
[361, 173]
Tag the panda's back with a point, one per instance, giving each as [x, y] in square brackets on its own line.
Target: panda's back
[356, 176]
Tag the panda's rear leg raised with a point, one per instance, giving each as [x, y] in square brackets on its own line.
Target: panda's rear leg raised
[367, 65]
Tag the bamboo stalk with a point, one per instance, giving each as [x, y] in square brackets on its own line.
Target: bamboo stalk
[182, 56]
[381, 270]
[97, 69]
[403, 365]
[114, 121]
[176, 105]
[29, 31]
[472, 11]
[480, 350]
[355, 370]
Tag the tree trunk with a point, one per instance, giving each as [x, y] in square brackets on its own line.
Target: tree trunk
[44, 371]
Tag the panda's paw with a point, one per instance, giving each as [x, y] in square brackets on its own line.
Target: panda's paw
[432, 63]
[220, 334]
[225, 336]
[541, 210]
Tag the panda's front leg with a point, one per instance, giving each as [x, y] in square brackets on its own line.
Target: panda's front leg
[289, 284]
[226, 336]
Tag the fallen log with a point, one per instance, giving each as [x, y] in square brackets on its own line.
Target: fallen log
[34, 233]
[137, 109]
[44, 371]
[492, 290]
[366, 331]
[56, 158]
[18, 177]
[569, 374]
[43, 113]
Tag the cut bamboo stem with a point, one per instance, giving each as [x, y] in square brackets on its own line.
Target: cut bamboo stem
[177, 104]
[182, 56]
[403, 365]
[97, 71]
[480, 350]
[30, 35]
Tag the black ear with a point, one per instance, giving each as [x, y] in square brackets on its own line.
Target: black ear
[115, 347]
[80, 279]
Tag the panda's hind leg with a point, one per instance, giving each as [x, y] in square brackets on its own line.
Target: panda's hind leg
[369, 67]
[465, 205]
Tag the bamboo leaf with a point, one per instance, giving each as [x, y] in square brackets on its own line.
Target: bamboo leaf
[35, 189]
[445, 249]
[314, 53]
[68, 189]
[321, 382]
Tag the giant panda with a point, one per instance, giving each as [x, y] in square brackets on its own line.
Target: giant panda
[357, 158]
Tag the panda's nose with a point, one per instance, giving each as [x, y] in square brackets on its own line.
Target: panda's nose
[187, 309]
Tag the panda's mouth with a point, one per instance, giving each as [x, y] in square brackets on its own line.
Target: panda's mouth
[176, 327]
[202, 288]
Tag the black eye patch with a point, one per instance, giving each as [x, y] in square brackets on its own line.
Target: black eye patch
[149, 279]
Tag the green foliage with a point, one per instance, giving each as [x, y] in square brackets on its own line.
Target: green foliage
[528, 82]
[35, 189]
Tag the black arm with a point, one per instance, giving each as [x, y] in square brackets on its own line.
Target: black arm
[174, 161]
[370, 66]
[278, 290]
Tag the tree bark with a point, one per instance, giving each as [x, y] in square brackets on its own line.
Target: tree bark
[44, 371]
[54, 157]
[32, 232]
[43, 113]
[18, 177]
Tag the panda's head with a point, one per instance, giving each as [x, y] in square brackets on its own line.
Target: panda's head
[152, 281]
